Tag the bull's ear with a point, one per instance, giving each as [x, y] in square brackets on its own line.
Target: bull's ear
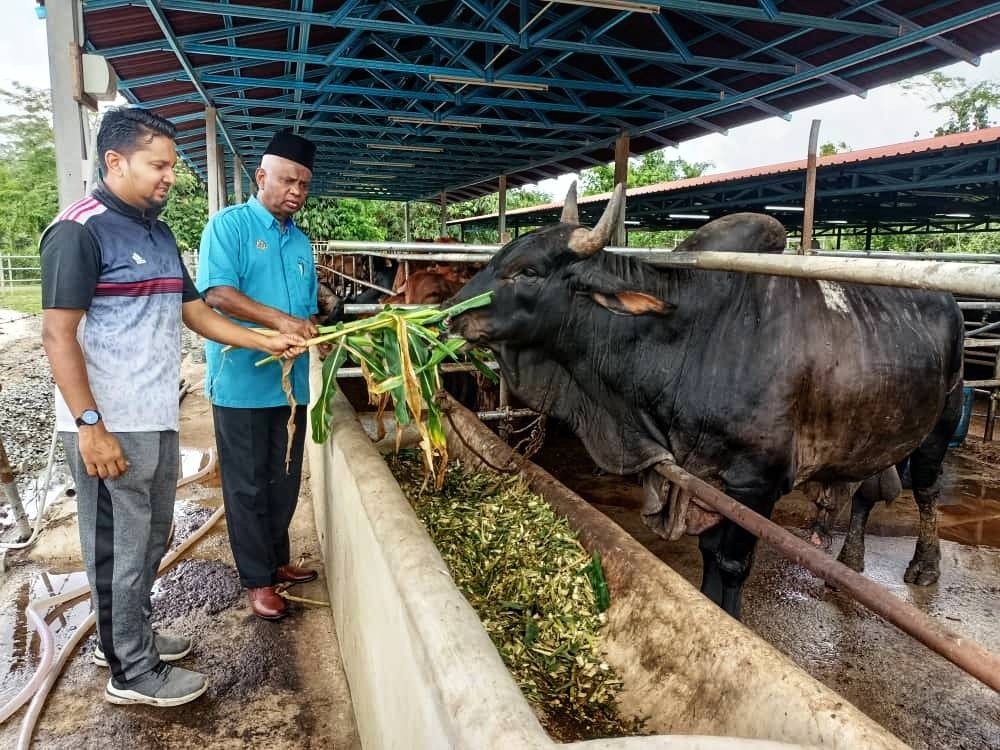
[632, 303]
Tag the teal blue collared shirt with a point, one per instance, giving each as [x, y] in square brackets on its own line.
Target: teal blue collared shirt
[245, 247]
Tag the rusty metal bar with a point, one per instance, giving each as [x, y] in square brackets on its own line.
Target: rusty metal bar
[356, 280]
[964, 653]
[22, 529]
[809, 205]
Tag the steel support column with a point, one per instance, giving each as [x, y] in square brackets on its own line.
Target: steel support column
[621, 177]
[237, 180]
[502, 209]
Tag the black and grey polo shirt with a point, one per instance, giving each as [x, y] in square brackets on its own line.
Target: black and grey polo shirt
[122, 266]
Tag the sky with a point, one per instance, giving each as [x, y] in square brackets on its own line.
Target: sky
[888, 114]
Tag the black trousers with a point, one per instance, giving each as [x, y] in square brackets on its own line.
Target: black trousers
[259, 493]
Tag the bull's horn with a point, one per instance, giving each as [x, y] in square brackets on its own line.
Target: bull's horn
[570, 215]
[586, 242]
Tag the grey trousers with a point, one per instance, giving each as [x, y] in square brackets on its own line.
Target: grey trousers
[124, 526]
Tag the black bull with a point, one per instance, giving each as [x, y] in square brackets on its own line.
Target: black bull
[753, 383]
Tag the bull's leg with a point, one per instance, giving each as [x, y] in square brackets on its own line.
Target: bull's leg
[852, 554]
[925, 473]
[727, 555]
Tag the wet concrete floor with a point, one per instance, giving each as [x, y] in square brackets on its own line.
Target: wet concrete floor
[916, 694]
[273, 685]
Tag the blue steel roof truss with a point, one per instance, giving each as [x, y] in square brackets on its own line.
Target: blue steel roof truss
[468, 90]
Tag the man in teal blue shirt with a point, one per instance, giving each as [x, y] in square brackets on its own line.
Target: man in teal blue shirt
[257, 267]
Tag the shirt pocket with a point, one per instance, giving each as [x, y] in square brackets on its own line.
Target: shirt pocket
[299, 273]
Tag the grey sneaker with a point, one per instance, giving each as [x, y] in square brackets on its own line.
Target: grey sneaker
[164, 686]
[170, 648]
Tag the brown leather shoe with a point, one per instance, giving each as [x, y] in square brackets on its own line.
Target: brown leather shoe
[294, 574]
[266, 604]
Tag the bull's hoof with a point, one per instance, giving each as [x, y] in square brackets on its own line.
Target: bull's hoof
[853, 558]
[922, 572]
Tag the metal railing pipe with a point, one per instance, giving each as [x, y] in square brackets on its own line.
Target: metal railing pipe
[963, 652]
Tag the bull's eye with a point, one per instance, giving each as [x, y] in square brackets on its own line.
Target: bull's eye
[529, 271]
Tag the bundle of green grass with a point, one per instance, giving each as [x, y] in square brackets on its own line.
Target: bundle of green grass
[400, 353]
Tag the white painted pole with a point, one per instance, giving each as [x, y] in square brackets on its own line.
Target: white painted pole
[972, 279]
[63, 30]
[221, 162]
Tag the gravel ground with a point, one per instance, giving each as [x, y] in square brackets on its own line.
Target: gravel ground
[26, 417]
[26, 403]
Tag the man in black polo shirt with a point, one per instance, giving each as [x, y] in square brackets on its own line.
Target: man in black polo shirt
[114, 292]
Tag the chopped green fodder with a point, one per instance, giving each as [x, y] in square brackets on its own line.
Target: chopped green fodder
[539, 593]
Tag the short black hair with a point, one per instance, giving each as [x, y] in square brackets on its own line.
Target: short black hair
[128, 129]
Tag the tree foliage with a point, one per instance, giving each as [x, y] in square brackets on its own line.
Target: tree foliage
[650, 169]
[341, 219]
[967, 106]
[29, 195]
[187, 207]
[829, 149]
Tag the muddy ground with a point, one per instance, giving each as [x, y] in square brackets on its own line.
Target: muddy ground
[914, 693]
[273, 685]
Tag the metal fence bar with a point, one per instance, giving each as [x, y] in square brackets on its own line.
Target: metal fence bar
[963, 652]
[972, 279]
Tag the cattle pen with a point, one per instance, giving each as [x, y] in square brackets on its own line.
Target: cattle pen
[449, 103]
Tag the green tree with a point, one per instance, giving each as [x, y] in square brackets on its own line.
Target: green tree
[341, 219]
[650, 169]
[29, 195]
[187, 207]
[829, 149]
[967, 106]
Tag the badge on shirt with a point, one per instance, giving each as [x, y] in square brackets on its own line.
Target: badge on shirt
[261, 245]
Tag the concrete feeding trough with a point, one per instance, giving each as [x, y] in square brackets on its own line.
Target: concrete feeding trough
[423, 672]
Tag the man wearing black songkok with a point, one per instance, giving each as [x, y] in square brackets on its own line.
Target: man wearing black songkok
[257, 267]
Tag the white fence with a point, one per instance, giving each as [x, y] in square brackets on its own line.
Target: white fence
[19, 271]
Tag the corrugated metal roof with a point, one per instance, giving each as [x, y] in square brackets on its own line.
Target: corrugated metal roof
[572, 77]
[905, 183]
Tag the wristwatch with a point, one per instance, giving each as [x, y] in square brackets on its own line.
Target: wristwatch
[89, 418]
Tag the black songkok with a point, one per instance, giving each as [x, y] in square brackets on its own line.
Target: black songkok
[293, 147]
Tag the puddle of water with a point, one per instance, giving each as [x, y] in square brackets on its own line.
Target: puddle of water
[19, 646]
[19, 654]
[970, 503]
[193, 460]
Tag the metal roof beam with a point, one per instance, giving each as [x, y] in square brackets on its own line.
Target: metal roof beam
[910, 38]
[661, 57]
[944, 45]
[428, 70]
[374, 130]
[168, 32]
[161, 45]
[783, 18]
[250, 53]
[758, 47]
[300, 107]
